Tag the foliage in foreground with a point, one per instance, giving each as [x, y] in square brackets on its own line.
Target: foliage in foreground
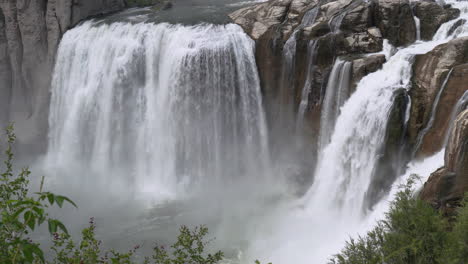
[411, 233]
[22, 212]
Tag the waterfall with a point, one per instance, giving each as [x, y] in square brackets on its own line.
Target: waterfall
[433, 113]
[311, 56]
[289, 53]
[461, 105]
[417, 22]
[158, 108]
[336, 93]
[347, 163]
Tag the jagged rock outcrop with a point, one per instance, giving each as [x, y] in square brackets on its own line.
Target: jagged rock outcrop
[439, 80]
[432, 16]
[456, 154]
[257, 20]
[446, 186]
[395, 20]
[297, 43]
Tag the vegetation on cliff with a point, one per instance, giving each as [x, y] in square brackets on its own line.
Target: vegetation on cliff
[411, 233]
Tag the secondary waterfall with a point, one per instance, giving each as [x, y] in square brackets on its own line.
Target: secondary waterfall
[347, 163]
[335, 96]
[158, 107]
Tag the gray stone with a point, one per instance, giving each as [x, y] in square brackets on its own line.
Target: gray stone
[395, 21]
[432, 16]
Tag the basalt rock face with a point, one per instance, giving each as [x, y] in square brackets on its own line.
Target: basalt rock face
[30, 31]
[364, 66]
[432, 16]
[395, 20]
[446, 186]
[298, 41]
[439, 79]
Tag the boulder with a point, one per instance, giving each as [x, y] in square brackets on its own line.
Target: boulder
[364, 66]
[432, 16]
[430, 72]
[395, 21]
[359, 19]
[446, 187]
[456, 153]
[363, 42]
[257, 20]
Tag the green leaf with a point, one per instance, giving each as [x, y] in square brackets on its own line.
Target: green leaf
[39, 211]
[70, 201]
[30, 219]
[28, 253]
[59, 199]
[17, 213]
[62, 226]
[38, 252]
[50, 197]
[52, 226]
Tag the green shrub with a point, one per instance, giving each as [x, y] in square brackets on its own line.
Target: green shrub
[412, 232]
[21, 213]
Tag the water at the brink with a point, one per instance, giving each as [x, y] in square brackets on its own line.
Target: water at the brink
[335, 96]
[158, 109]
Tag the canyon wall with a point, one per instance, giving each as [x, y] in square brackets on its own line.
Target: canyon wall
[288, 39]
[30, 31]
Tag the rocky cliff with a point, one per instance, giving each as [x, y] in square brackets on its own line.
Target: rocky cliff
[292, 35]
[446, 186]
[30, 31]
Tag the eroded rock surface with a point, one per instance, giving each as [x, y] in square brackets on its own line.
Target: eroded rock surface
[30, 31]
[446, 186]
[430, 78]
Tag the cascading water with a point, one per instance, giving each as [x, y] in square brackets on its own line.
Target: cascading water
[335, 96]
[334, 205]
[435, 105]
[461, 105]
[158, 107]
[311, 54]
[289, 53]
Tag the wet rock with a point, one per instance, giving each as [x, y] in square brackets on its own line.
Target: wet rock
[432, 16]
[430, 71]
[394, 153]
[456, 154]
[358, 19]
[365, 42]
[364, 66]
[395, 21]
[456, 26]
